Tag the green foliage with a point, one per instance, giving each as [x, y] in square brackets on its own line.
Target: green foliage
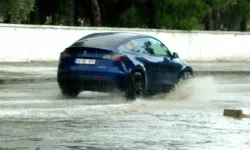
[170, 14]
[234, 15]
[243, 7]
[17, 10]
[64, 14]
[167, 14]
[178, 14]
[134, 17]
[220, 3]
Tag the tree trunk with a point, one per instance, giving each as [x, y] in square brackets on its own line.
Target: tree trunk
[96, 13]
[216, 19]
[37, 12]
[151, 13]
[75, 23]
[243, 24]
[208, 22]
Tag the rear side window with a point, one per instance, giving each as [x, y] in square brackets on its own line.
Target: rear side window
[130, 45]
[143, 46]
[140, 45]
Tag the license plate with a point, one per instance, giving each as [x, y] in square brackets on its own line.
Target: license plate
[85, 61]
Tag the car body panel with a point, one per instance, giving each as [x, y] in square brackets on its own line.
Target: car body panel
[159, 71]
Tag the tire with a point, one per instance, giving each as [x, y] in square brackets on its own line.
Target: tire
[184, 76]
[137, 87]
[69, 92]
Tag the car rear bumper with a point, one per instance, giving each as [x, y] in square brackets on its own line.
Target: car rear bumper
[87, 84]
[103, 82]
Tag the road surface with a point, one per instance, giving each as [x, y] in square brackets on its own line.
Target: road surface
[36, 116]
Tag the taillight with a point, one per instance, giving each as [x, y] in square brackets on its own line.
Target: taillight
[101, 79]
[65, 54]
[113, 57]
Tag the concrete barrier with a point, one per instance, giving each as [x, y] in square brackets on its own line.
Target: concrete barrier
[233, 113]
[44, 43]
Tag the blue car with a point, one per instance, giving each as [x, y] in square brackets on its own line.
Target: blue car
[134, 64]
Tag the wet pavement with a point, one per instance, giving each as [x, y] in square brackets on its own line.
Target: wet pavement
[36, 116]
[35, 71]
[26, 72]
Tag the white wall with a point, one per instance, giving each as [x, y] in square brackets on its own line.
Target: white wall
[44, 43]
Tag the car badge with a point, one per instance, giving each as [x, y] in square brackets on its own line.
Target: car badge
[85, 52]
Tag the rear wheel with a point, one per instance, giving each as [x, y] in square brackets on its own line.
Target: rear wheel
[137, 86]
[69, 92]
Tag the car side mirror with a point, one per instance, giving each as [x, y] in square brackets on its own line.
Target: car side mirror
[175, 55]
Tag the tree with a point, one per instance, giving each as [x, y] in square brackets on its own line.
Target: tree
[213, 16]
[169, 14]
[185, 15]
[243, 7]
[64, 13]
[235, 17]
[135, 16]
[16, 11]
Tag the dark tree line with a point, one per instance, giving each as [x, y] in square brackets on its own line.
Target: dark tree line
[168, 14]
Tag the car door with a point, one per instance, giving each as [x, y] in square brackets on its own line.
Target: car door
[151, 62]
[168, 69]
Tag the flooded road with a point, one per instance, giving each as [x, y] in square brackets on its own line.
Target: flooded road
[36, 116]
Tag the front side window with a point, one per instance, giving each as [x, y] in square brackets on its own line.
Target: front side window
[159, 48]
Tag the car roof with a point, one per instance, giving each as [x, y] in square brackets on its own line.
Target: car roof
[105, 40]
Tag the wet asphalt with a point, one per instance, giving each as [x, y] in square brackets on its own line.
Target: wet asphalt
[36, 116]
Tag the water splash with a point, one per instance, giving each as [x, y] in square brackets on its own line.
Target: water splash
[196, 91]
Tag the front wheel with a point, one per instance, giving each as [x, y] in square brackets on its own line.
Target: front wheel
[184, 76]
[69, 92]
[137, 87]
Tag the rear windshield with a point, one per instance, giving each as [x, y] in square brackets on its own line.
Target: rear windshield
[102, 41]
